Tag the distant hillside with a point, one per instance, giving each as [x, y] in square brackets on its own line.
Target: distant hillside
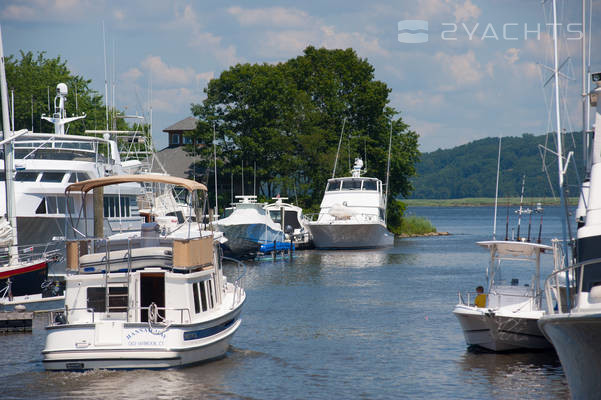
[470, 170]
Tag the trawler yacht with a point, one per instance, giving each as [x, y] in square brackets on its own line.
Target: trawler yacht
[155, 301]
[352, 214]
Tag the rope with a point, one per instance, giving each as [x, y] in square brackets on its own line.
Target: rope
[153, 317]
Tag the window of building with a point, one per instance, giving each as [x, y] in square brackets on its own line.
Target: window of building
[187, 140]
[175, 138]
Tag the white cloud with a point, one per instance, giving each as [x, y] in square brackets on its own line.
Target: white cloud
[119, 14]
[463, 68]
[512, 55]
[466, 11]
[44, 10]
[274, 16]
[169, 75]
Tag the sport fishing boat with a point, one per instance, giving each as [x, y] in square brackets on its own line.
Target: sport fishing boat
[155, 301]
[247, 227]
[505, 316]
[352, 214]
[291, 220]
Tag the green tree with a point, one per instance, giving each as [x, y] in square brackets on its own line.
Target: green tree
[33, 80]
[288, 117]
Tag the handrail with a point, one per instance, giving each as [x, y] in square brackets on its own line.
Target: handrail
[91, 311]
[552, 281]
[238, 281]
[316, 217]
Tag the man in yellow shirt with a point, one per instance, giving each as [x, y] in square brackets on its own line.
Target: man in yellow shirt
[480, 300]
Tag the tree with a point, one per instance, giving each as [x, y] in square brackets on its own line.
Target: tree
[33, 80]
[288, 117]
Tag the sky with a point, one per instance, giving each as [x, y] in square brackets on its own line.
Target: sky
[477, 71]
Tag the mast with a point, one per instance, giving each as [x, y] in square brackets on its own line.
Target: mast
[584, 92]
[338, 151]
[11, 209]
[215, 160]
[387, 175]
[494, 225]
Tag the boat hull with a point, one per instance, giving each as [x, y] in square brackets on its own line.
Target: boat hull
[245, 239]
[135, 345]
[25, 279]
[577, 340]
[350, 236]
[484, 328]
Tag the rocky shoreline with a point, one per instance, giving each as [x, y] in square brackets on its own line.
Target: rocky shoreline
[407, 235]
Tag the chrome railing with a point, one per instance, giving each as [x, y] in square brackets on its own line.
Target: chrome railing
[356, 217]
[565, 294]
[238, 281]
[54, 316]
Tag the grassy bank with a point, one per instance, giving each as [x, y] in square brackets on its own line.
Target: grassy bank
[484, 201]
[414, 225]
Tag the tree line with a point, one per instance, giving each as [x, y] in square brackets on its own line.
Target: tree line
[470, 170]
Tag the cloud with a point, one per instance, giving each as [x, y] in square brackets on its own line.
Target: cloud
[512, 55]
[466, 11]
[463, 68]
[274, 16]
[43, 10]
[169, 75]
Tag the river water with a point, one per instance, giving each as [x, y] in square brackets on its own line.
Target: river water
[374, 324]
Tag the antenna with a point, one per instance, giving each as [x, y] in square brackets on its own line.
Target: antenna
[507, 222]
[106, 88]
[215, 161]
[387, 175]
[242, 177]
[529, 224]
[521, 202]
[494, 229]
[338, 151]
[255, 181]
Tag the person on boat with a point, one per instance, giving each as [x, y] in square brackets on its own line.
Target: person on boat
[480, 300]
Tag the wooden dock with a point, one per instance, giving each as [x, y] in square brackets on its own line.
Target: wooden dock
[16, 321]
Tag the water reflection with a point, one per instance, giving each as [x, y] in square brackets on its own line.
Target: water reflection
[529, 374]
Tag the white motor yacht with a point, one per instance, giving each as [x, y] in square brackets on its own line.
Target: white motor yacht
[247, 227]
[351, 214]
[293, 222]
[150, 302]
[505, 316]
[573, 322]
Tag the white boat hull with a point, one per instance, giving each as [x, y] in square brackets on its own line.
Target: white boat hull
[350, 236]
[134, 345]
[577, 340]
[482, 327]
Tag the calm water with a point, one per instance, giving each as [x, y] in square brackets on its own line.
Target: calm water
[335, 325]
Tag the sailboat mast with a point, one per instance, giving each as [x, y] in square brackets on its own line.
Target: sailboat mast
[215, 161]
[494, 225]
[387, 175]
[9, 157]
[338, 151]
[584, 91]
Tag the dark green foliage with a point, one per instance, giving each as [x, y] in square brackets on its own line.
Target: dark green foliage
[34, 80]
[287, 118]
[470, 170]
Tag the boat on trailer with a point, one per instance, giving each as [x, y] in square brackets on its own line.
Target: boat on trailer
[151, 301]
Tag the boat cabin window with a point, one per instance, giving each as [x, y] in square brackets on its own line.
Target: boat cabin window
[55, 205]
[351, 184]
[23, 176]
[117, 299]
[204, 298]
[333, 185]
[56, 177]
[78, 177]
[370, 185]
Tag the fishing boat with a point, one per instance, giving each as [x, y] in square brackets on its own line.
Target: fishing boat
[155, 301]
[352, 214]
[247, 227]
[292, 222]
[504, 316]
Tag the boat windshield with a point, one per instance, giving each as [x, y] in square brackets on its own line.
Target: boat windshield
[352, 184]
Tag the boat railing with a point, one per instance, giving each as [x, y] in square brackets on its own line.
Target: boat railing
[237, 282]
[61, 316]
[565, 284]
[469, 298]
[352, 218]
[44, 251]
